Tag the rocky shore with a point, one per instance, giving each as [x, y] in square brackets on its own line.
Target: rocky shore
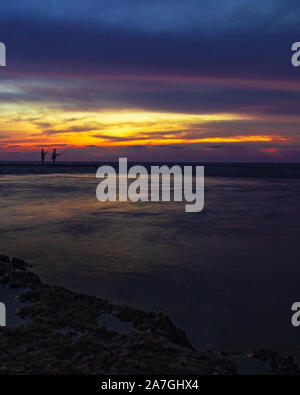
[62, 332]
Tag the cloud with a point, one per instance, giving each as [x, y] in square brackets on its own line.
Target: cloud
[162, 56]
[254, 40]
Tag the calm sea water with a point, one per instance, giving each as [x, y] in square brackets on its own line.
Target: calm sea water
[228, 275]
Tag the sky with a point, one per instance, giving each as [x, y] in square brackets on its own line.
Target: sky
[167, 80]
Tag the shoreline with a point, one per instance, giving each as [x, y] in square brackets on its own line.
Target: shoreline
[259, 170]
[63, 332]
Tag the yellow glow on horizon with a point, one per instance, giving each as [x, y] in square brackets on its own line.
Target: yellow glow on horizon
[26, 127]
[166, 141]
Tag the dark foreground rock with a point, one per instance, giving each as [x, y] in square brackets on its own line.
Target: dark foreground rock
[67, 333]
[62, 332]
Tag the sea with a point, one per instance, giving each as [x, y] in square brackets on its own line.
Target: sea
[227, 275]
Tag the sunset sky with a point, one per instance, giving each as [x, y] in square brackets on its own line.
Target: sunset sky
[151, 80]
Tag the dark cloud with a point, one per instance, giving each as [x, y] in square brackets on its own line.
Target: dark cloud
[258, 48]
[115, 65]
[168, 56]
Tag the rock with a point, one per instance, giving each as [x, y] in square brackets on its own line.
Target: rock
[279, 364]
[64, 336]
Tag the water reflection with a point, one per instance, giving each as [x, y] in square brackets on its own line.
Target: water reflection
[227, 275]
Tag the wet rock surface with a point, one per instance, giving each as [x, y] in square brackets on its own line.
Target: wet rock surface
[280, 364]
[63, 333]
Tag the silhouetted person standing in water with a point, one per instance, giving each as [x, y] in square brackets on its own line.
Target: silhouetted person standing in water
[54, 156]
[43, 154]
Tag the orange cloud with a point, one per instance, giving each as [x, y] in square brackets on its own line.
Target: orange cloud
[29, 127]
[270, 150]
